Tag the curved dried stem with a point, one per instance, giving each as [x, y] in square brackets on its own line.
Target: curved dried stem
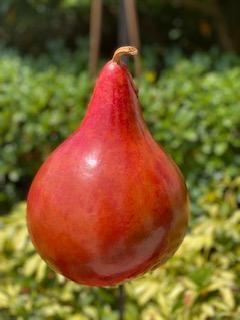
[124, 50]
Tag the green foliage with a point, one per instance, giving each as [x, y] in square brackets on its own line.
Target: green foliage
[30, 25]
[38, 109]
[193, 111]
[30, 290]
[202, 281]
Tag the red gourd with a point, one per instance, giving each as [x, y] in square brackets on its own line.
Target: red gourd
[108, 204]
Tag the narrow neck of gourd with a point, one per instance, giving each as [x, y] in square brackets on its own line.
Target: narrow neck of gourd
[114, 103]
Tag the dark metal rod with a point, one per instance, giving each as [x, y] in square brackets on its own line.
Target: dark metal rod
[123, 38]
[121, 302]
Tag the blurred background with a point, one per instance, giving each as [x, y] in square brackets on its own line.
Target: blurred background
[189, 87]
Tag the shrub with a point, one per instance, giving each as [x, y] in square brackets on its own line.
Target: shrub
[202, 281]
[38, 109]
[193, 113]
[193, 110]
[32, 25]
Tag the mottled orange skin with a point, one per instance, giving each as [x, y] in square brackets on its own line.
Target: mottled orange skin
[108, 204]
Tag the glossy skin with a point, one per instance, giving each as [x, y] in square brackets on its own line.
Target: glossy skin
[108, 204]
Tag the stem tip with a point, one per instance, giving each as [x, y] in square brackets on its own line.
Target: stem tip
[124, 50]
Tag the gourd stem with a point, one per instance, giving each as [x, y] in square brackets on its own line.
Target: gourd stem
[124, 50]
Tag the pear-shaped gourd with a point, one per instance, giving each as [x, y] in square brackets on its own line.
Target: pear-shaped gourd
[108, 204]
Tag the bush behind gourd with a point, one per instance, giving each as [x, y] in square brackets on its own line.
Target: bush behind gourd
[202, 281]
[192, 110]
[38, 109]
